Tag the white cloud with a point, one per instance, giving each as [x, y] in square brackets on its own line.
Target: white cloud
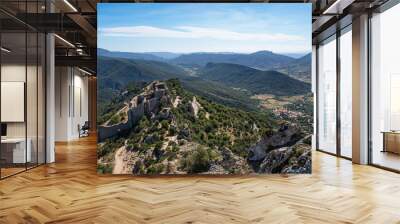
[195, 32]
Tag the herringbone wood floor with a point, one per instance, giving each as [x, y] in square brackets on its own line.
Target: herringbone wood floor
[70, 191]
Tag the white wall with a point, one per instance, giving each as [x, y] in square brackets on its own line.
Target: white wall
[62, 82]
[71, 102]
[80, 110]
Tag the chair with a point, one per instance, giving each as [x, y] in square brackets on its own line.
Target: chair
[84, 130]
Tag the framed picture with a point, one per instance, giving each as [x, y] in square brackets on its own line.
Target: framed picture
[204, 88]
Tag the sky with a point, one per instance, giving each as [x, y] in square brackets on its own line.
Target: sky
[208, 27]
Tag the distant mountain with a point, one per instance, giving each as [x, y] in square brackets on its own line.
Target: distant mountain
[263, 60]
[253, 80]
[129, 55]
[231, 84]
[115, 74]
[118, 72]
[165, 55]
[295, 55]
[299, 68]
[306, 59]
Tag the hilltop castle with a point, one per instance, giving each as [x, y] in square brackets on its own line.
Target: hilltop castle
[146, 104]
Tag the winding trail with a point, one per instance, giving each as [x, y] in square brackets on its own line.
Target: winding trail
[120, 166]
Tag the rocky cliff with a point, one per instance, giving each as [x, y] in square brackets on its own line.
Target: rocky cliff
[283, 151]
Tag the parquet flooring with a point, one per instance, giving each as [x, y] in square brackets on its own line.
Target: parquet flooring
[8, 171]
[70, 191]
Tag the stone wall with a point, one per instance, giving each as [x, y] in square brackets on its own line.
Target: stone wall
[145, 105]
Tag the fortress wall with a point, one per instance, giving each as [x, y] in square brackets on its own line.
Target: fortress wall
[143, 107]
[109, 131]
[134, 115]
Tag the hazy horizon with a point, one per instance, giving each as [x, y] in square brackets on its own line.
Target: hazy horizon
[207, 52]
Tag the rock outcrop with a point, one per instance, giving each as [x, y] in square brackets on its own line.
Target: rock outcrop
[194, 107]
[284, 151]
[303, 165]
[275, 160]
[286, 136]
[233, 163]
[289, 160]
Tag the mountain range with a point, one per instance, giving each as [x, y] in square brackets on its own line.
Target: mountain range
[263, 60]
[299, 68]
[229, 84]
[253, 80]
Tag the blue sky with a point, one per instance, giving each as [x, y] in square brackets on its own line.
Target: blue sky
[195, 27]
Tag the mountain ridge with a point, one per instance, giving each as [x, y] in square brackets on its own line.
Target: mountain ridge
[129, 55]
[298, 68]
[253, 80]
[263, 60]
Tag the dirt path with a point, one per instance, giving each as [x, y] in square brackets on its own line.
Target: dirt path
[120, 166]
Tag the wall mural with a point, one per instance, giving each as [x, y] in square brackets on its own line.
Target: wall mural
[204, 88]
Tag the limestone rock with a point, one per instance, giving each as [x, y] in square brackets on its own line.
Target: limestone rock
[303, 165]
[233, 163]
[194, 107]
[286, 136]
[171, 168]
[216, 169]
[289, 160]
[275, 160]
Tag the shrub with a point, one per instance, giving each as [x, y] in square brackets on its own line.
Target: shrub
[130, 147]
[104, 168]
[108, 147]
[171, 131]
[213, 154]
[203, 136]
[157, 150]
[175, 148]
[115, 119]
[149, 161]
[164, 124]
[156, 137]
[138, 168]
[155, 169]
[143, 123]
[158, 145]
[181, 142]
[197, 161]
